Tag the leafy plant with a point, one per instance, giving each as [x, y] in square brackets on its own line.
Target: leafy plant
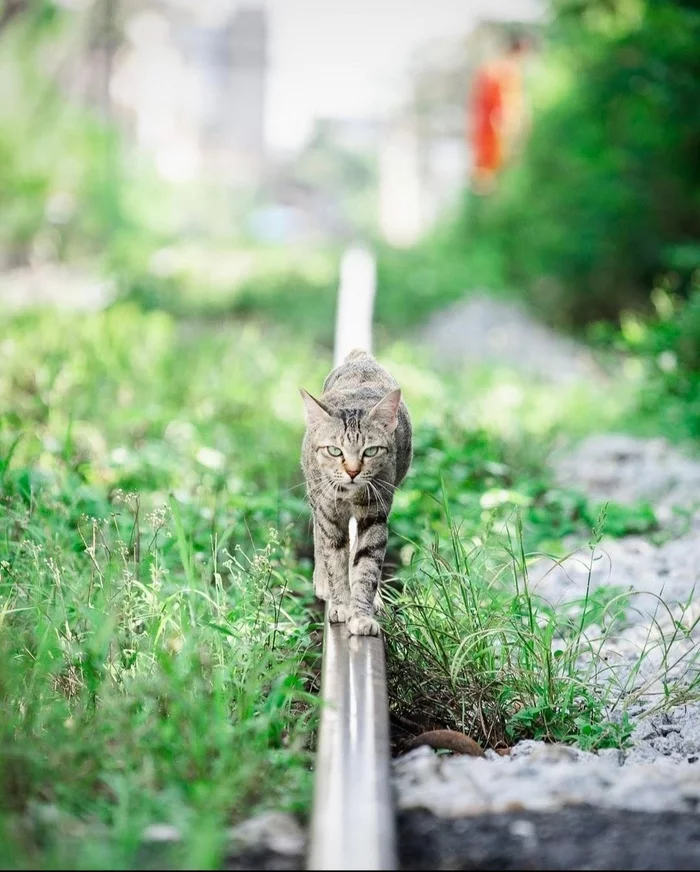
[474, 647]
[609, 178]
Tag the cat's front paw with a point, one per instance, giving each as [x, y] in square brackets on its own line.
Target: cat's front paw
[362, 625]
[338, 613]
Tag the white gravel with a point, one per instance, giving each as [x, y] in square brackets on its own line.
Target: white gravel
[541, 777]
[662, 579]
[484, 330]
[626, 469]
[661, 770]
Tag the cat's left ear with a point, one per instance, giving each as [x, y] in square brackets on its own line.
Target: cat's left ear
[386, 410]
[315, 412]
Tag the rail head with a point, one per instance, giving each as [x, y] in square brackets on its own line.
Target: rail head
[352, 823]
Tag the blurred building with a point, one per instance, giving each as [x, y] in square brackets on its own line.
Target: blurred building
[425, 157]
[193, 93]
[401, 191]
[232, 63]
[328, 190]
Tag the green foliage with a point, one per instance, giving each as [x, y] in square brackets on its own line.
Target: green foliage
[473, 647]
[299, 289]
[484, 479]
[154, 576]
[155, 654]
[670, 348]
[664, 351]
[266, 285]
[143, 680]
[60, 173]
[610, 179]
[413, 283]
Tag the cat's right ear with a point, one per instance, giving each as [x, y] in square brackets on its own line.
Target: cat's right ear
[315, 413]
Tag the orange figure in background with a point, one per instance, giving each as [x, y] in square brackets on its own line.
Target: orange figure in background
[497, 114]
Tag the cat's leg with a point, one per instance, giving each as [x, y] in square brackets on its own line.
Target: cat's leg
[331, 548]
[321, 586]
[365, 573]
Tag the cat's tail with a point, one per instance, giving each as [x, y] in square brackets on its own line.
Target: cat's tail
[355, 353]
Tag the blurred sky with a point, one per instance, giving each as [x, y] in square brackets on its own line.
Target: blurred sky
[348, 58]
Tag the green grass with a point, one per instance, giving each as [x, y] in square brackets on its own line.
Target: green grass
[159, 648]
[259, 284]
[298, 288]
[473, 646]
[479, 651]
[157, 631]
[148, 686]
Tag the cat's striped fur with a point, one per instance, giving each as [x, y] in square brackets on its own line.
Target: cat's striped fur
[359, 410]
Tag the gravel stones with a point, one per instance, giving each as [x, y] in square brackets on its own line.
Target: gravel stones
[662, 579]
[541, 777]
[483, 330]
[626, 469]
[660, 773]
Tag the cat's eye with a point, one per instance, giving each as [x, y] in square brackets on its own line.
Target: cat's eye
[370, 452]
[333, 451]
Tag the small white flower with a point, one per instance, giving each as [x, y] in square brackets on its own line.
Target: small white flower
[180, 431]
[495, 497]
[667, 361]
[211, 458]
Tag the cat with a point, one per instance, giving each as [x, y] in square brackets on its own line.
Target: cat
[356, 451]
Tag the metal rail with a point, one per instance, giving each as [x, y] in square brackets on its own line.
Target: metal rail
[352, 825]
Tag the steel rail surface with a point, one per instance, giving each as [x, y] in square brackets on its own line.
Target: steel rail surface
[352, 825]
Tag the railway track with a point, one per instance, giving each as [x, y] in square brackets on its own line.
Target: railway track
[352, 824]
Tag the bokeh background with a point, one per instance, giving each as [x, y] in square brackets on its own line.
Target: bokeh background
[217, 156]
[178, 183]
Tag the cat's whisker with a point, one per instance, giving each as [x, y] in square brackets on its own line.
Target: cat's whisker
[387, 484]
[369, 495]
[387, 508]
[383, 502]
[380, 501]
[325, 488]
[388, 493]
[329, 489]
[295, 487]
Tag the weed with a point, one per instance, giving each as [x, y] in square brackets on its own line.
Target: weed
[157, 638]
[473, 646]
[156, 655]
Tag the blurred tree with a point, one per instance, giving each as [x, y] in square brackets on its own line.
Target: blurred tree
[608, 194]
[59, 149]
[11, 9]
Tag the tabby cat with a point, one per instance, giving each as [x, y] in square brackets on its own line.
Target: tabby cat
[356, 451]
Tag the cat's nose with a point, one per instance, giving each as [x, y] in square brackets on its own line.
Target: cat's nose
[352, 471]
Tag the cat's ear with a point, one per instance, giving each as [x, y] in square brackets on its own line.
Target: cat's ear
[386, 410]
[315, 412]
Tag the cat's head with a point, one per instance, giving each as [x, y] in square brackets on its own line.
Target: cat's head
[353, 447]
